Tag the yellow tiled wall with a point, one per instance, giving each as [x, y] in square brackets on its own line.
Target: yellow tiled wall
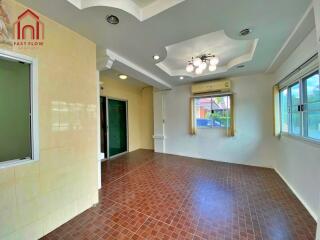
[140, 110]
[38, 197]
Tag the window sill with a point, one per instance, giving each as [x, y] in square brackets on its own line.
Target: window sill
[217, 128]
[14, 163]
[301, 139]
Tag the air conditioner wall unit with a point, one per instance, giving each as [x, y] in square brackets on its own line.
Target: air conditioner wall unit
[219, 86]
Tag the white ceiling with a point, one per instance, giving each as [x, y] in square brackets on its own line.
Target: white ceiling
[114, 75]
[137, 41]
[143, 3]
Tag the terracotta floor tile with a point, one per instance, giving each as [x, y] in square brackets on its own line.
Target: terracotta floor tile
[148, 196]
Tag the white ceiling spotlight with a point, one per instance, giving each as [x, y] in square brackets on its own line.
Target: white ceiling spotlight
[112, 19]
[123, 77]
[200, 63]
[181, 78]
[245, 32]
[156, 57]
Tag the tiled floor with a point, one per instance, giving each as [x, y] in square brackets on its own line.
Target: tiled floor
[165, 197]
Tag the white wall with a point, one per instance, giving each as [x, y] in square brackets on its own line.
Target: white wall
[253, 144]
[298, 162]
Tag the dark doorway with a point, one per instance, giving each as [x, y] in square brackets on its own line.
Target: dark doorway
[117, 127]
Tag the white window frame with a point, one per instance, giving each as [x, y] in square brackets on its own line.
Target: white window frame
[303, 126]
[34, 107]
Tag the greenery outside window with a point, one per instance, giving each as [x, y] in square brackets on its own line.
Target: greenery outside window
[212, 112]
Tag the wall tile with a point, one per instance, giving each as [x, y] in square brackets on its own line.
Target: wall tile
[38, 197]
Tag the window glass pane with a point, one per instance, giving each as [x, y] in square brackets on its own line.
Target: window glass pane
[295, 95]
[314, 125]
[15, 104]
[212, 112]
[203, 112]
[284, 110]
[312, 89]
[295, 114]
[296, 123]
[312, 106]
[221, 111]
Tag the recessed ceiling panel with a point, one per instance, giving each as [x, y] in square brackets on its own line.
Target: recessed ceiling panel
[231, 52]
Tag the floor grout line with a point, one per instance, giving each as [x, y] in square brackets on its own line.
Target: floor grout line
[171, 193]
[129, 172]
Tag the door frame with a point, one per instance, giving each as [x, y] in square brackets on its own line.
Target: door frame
[105, 150]
[127, 126]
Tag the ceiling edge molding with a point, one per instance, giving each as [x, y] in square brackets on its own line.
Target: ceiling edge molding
[244, 58]
[110, 58]
[129, 6]
[105, 63]
[301, 29]
[158, 7]
[76, 3]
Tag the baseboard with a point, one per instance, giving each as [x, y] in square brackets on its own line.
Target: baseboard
[312, 213]
[217, 160]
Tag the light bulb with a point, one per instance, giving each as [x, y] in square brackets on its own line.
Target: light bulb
[214, 61]
[203, 65]
[123, 77]
[197, 62]
[199, 71]
[212, 68]
[190, 68]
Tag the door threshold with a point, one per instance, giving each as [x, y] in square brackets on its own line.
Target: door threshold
[118, 155]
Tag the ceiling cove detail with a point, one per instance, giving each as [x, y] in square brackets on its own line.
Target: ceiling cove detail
[141, 9]
[231, 53]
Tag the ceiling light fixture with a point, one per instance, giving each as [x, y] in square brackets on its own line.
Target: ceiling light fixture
[112, 19]
[198, 71]
[190, 68]
[200, 63]
[212, 68]
[245, 32]
[181, 78]
[123, 77]
[156, 57]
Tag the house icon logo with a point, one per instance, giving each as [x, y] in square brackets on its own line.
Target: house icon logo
[28, 30]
